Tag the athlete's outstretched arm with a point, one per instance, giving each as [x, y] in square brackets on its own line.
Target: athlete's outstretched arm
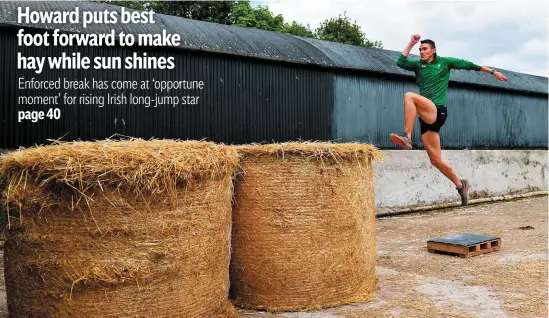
[403, 61]
[497, 75]
[413, 41]
[460, 64]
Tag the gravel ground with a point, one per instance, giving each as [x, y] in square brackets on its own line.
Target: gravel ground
[511, 282]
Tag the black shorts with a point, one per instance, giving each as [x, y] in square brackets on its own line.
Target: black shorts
[442, 113]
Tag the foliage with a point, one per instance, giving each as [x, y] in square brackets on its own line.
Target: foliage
[242, 13]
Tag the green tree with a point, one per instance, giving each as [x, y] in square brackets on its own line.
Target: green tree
[298, 29]
[137, 5]
[341, 30]
[241, 13]
[210, 11]
[260, 18]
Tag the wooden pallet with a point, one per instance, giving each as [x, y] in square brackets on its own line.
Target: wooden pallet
[467, 250]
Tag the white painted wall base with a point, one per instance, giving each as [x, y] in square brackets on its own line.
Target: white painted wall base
[407, 179]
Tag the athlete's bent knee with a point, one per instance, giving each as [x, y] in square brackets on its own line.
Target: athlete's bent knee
[436, 162]
[409, 95]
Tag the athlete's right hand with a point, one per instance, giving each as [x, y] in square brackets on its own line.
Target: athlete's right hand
[415, 38]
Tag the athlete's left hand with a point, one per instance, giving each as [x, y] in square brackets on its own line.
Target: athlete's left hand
[500, 76]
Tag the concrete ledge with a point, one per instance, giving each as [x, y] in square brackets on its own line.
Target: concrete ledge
[471, 202]
[407, 182]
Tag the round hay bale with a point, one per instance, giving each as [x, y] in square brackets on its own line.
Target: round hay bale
[304, 233]
[119, 229]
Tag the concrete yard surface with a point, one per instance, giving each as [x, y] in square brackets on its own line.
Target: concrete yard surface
[511, 282]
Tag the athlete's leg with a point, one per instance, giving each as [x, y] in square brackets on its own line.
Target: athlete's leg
[415, 104]
[431, 142]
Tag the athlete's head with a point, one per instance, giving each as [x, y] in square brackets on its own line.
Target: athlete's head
[427, 50]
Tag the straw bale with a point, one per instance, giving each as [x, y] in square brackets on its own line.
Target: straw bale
[304, 226]
[116, 229]
[319, 152]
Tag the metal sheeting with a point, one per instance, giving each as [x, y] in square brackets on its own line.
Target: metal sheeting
[199, 35]
[384, 61]
[495, 119]
[196, 35]
[368, 109]
[242, 101]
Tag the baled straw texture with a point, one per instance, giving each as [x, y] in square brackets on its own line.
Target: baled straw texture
[304, 226]
[118, 229]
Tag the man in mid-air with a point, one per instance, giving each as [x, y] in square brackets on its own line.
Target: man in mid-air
[432, 77]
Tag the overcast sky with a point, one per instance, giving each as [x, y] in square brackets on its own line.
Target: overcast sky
[505, 34]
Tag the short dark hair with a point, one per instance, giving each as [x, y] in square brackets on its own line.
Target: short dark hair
[429, 42]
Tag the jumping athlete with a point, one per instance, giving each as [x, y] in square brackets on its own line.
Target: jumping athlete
[432, 76]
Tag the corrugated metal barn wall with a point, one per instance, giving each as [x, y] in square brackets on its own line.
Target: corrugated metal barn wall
[369, 108]
[248, 100]
[243, 100]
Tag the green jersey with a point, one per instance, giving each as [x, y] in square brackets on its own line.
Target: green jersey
[433, 77]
